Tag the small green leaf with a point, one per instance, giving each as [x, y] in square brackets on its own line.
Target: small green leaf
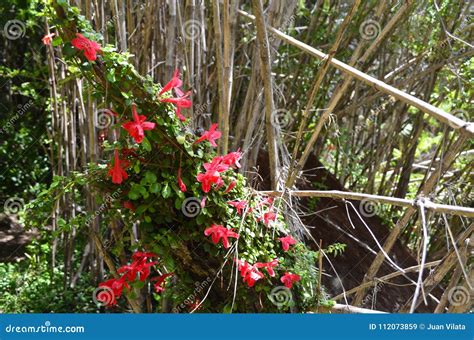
[166, 192]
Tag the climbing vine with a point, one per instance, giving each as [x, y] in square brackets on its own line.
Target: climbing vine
[177, 214]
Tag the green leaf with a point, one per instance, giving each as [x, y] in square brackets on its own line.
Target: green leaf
[150, 177]
[146, 144]
[166, 192]
[111, 75]
[155, 188]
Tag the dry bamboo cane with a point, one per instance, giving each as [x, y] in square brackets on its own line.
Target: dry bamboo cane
[265, 65]
[400, 202]
[317, 83]
[410, 212]
[440, 272]
[437, 113]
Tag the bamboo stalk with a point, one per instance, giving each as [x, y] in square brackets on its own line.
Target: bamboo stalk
[400, 202]
[317, 83]
[265, 65]
[437, 113]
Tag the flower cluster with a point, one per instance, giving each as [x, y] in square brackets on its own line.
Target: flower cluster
[138, 270]
[217, 174]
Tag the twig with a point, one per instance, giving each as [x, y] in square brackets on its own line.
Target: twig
[400, 202]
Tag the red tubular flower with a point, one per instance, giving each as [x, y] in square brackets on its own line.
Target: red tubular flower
[174, 83]
[140, 255]
[138, 267]
[160, 282]
[208, 178]
[137, 127]
[117, 171]
[181, 184]
[286, 242]
[128, 205]
[89, 47]
[288, 279]
[48, 38]
[218, 231]
[116, 285]
[268, 201]
[181, 103]
[239, 205]
[216, 165]
[230, 187]
[211, 135]
[249, 273]
[268, 266]
[232, 158]
[268, 217]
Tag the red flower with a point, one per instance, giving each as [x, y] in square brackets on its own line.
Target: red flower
[288, 279]
[210, 135]
[89, 47]
[138, 267]
[116, 285]
[181, 103]
[128, 205]
[174, 83]
[117, 172]
[196, 305]
[230, 187]
[239, 205]
[268, 217]
[182, 186]
[160, 282]
[137, 127]
[286, 242]
[48, 38]
[208, 178]
[267, 201]
[249, 273]
[216, 165]
[232, 158]
[217, 232]
[140, 255]
[268, 266]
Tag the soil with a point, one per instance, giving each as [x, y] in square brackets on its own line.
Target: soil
[13, 239]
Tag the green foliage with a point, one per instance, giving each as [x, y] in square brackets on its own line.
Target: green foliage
[31, 286]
